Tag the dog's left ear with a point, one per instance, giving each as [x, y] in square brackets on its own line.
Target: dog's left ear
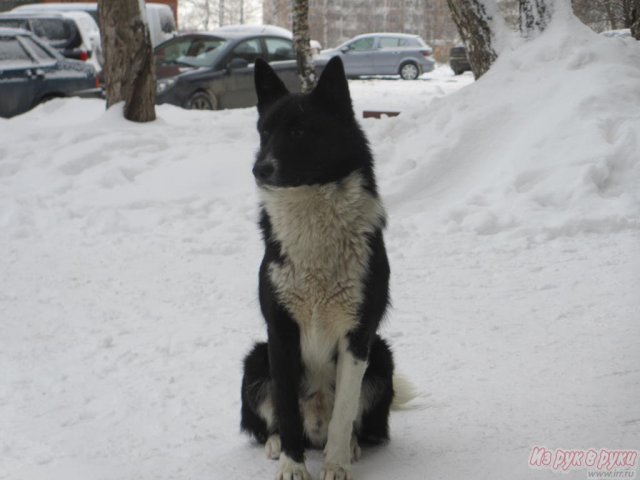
[269, 87]
[332, 89]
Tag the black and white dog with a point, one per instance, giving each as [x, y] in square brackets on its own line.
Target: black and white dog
[324, 379]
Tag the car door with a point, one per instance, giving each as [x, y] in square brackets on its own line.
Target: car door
[357, 56]
[239, 89]
[17, 80]
[387, 56]
[282, 58]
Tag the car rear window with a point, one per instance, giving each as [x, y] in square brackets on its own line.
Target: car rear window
[52, 29]
[11, 50]
[412, 42]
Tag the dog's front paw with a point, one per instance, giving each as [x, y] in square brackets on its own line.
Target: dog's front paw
[332, 471]
[289, 469]
[272, 447]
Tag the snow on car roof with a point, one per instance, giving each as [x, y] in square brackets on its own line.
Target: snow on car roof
[238, 30]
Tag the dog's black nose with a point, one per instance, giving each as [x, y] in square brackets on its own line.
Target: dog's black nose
[263, 170]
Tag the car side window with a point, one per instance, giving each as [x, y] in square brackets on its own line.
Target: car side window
[248, 50]
[362, 44]
[410, 42]
[12, 50]
[279, 49]
[390, 42]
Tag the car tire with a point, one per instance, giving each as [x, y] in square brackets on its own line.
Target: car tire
[409, 71]
[202, 101]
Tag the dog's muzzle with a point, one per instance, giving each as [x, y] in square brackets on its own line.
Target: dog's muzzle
[263, 170]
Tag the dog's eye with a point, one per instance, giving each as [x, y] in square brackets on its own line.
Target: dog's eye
[296, 132]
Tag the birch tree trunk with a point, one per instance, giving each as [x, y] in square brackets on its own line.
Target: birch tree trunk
[128, 58]
[535, 15]
[474, 25]
[301, 37]
[221, 12]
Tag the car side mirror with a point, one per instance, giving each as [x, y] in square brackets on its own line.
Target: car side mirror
[237, 63]
[345, 49]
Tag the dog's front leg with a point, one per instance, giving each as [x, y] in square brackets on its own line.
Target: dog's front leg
[286, 371]
[350, 371]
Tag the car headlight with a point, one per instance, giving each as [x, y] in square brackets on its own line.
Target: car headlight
[163, 85]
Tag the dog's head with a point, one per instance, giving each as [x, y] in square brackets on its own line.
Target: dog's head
[307, 139]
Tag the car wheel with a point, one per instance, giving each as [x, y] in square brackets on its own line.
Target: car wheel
[409, 71]
[201, 101]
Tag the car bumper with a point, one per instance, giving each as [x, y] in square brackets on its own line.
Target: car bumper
[89, 93]
[459, 64]
[172, 98]
[428, 65]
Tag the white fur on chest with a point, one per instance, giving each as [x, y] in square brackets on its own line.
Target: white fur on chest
[322, 230]
[323, 233]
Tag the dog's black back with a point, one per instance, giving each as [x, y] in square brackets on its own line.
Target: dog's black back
[323, 282]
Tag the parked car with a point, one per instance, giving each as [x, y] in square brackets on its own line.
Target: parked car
[31, 72]
[384, 54]
[162, 25]
[211, 71]
[458, 60]
[74, 34]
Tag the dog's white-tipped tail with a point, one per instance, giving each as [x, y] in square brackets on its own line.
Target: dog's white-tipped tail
[403, 393]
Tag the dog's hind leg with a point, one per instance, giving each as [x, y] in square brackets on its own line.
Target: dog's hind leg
[257, 415]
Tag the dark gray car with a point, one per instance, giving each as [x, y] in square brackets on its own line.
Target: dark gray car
[211, 71]
[32, 72]
[383, 54]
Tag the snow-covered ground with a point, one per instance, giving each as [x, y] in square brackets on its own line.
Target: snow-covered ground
[129, 275]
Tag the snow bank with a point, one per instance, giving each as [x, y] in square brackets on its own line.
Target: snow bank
[544, 145]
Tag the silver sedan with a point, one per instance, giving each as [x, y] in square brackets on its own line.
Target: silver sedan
[383, 54]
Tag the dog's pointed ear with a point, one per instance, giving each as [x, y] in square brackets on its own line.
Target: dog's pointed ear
[269, 87]
[332, 89]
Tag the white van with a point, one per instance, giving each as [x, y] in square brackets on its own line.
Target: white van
[162, 25]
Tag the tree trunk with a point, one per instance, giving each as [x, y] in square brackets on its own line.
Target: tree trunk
[221, 13]
[306, 70]
[128, 58]
[534, 16]
[474, 25]
[632, 17]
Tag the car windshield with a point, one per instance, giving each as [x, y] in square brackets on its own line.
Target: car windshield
[191, 51]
